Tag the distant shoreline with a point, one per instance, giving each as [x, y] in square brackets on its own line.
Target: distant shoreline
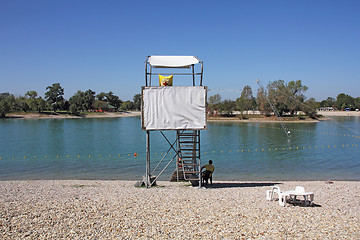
[262, 120]
[326, 114]
[339, 113]
[65, 116]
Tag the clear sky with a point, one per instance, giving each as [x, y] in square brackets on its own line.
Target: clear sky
[102, 45]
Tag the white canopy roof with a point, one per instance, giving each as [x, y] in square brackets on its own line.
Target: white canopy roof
[172, 61]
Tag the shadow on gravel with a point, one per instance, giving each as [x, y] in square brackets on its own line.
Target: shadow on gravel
[303, 204]
[241, 185]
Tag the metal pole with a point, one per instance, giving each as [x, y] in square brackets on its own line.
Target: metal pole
[146, 73]
[192, 66]
[202, 72]
[150, 74]
[147, 175]
[199, 169]
[178, 151]
[167, 73]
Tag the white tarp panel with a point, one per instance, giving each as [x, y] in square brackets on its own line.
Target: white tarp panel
[174, 108]
[172, 61]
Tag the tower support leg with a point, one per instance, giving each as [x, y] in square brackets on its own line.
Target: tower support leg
[147, 174]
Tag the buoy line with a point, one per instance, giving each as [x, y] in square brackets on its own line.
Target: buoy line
[135, 155]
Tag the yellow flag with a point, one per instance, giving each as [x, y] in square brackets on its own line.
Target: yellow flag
[165, 80]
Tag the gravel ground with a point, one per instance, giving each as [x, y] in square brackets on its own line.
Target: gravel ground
[82, 209]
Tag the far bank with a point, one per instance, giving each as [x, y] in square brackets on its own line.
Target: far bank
[247, 118]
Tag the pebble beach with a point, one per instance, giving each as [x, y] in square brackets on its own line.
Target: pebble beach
[89, 209]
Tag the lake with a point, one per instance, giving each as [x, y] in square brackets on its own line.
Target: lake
[103, 148]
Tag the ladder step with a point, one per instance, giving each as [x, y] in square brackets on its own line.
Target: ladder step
[190, 172]
[189, 150]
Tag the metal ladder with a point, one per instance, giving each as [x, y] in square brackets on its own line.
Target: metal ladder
[188, 162]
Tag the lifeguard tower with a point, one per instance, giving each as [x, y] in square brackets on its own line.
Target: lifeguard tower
[175, 100]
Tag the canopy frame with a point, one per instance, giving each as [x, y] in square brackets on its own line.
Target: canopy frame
[154, 65]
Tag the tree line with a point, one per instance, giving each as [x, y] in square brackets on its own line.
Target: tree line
[286, 98]
[54, 101]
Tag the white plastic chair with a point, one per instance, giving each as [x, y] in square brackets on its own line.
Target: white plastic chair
[284, 196]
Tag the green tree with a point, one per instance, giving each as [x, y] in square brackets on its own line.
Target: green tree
[344, 101]
[54, 96]
[277, 96]
[215, 99]
[295, 91]
[77, 103]
[286, 97]
[89, 98]
[4, 107]
[227, 107]
[213, 103]
[137, 101]
[101, 96]
[262, 102]
[31, 94]
[100, 105]
[32, 100]
[246, 101]
[109, 98]
[357, 103]
[64, 105]
[5, 103]
[127, 105]
[329, 102]
[113, 100]
[41, 104]
[21, 104]
[310, 110]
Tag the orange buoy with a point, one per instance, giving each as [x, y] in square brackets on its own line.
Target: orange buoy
[135, 154]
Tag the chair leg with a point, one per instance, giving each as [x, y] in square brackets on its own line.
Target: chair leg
[269, 195]
[311, 197]
[282, 200]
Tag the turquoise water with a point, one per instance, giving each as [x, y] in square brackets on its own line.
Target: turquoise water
[104, 149]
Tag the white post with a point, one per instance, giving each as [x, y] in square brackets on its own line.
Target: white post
[147, 175]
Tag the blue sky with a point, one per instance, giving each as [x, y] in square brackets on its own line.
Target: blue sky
[102, 45]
